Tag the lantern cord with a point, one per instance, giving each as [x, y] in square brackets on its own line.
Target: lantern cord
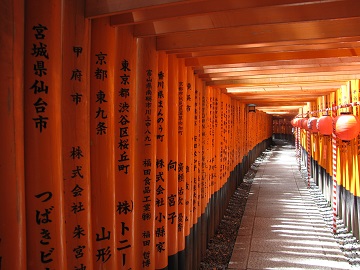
[298, 150]
[334, 202]
[308, 137]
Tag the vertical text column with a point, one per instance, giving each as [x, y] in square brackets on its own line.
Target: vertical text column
[162, 140]
[145, 154]
[102, 62]
[124, 145]
[43, 129]
[173, 167]
[76, 136]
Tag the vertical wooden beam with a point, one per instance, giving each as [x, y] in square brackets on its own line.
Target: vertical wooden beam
[204, 170]
[183, 148]
[125, 120]
[173, 165]
[162, 141]
[12, 185]
[189, 217]
[145, 154]
[76, 135]
[102, 128]
[217, 154]
[196, 181]
[43, 140]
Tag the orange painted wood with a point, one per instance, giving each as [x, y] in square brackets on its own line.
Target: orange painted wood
[204, 181]
[96, 9]
[199, 86]
[12, 184]
[45, 241]
[189, 175]
[217, 146]
[190, 113]
[190, 164]
[247, 17]
[193, 8]
[76, 136]
[183, 148]
[162, 141]
[211, 159]
[124, 136]
[227, 136]
[197, 168]
[355, 185]
[102, 147]
[244, 34]
[145, 154]
[173, 165]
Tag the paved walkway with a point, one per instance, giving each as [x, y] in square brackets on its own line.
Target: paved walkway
[282, 227]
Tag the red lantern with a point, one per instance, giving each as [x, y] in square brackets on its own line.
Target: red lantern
[304, 123]
[325, 125]
[346, 126]
[296, 122]
[312, 124]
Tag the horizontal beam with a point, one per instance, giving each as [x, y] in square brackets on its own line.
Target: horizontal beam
[188, 8]
[282, 64]
[266, 46]
[208, 72]
[252, 16]
[242, 35]
[96, 8]
[279, 48]
[264, 57]
[273, 71]
[341, 79]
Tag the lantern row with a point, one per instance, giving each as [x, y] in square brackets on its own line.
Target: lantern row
[334, 108]
[345, 126]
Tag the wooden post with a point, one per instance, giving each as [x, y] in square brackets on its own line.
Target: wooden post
[217, 154]
[189, 217]
[43, 141]
[173, 165]
[145, 154]
[162, 141]
[125, 119]
[76, 136]
[182, 146]
[196, 192]
[210, 159]
[102, 128]
[12, 185]
[204, 170]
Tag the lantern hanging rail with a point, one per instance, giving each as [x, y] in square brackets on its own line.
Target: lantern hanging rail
[333, 108]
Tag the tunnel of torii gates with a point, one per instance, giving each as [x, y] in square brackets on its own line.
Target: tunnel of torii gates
[116, 156]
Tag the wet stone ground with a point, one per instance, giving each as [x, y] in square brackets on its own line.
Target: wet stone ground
[220, 247]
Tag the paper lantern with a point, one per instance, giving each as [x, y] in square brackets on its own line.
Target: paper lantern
[304, 123]
[346, 126]
[324, 124]
[312, 124]
[296, 122]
